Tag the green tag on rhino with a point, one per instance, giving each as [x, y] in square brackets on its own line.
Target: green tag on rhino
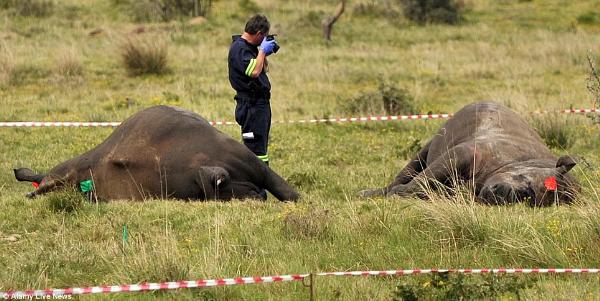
[86, 185]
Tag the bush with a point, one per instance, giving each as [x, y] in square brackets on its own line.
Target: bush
[443, 286]
[144, 57]
[68, 64]
[6, 67]
[376, 9]
[433, 11]
[589, 18]
[557, 132]
[164, 10]
[388, 99]
[307, 223]
[26, 8]
[66, 201]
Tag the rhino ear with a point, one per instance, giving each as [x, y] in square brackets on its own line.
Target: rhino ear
[210, 178]
[565, 163]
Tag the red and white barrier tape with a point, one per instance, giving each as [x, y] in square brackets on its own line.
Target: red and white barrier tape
[461, 271]
[309, 121]
[47, 293]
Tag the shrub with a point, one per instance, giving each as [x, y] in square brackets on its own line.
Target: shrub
[164, 10]
[444, 286]
[388, 99]
[589, 18]
[307, 223]
[144, 57]
[26, 8]
[376, 9]
[433, 11]
[66, 201]
[557, 132]
[6, 67]
[68, 64]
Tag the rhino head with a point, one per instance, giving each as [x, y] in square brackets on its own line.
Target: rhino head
[537, 182]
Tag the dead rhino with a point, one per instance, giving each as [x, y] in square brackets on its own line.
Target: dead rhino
[164, 152]
[494, 149]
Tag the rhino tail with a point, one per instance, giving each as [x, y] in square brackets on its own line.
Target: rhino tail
[277, 186]
[28, 175]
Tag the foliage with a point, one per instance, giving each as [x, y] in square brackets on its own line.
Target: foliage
[556, 131]
[389, 99]
[68, 201]
[307, 224]
[530, 59]
[433, 11]
[444, 286]
[589, 18]
[143, 56]
[26, 8]
[68, 64]
[376, 9]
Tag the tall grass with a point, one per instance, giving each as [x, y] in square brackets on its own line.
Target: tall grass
[533, 60]
[68, 64]
[144, 56]
[556, 130]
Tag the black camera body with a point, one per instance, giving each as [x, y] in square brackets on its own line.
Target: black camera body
[276, 46]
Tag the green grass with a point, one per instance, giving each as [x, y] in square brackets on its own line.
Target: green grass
[529, 55]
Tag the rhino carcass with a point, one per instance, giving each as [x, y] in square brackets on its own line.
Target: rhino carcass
[165, 152]
[491, 147]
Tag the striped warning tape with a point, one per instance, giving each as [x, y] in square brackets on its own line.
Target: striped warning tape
[46, 293]
[461, 271]
[302, 121]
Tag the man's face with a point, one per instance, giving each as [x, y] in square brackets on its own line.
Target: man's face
[260, 36]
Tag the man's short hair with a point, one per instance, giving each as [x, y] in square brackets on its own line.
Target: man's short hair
[257, 23]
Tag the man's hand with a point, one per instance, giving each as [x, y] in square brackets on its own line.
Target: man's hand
[267, 46]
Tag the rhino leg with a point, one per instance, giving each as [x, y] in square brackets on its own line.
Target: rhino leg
[26, 174]
[277, 186]
[416, 165]
[452, 166]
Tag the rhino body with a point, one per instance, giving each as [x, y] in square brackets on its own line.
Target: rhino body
[165, 152]
[494, 150]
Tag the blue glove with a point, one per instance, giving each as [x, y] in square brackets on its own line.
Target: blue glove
[267, 46]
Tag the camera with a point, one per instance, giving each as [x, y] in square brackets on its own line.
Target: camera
[276, 46]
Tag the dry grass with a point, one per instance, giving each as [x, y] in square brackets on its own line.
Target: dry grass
[68, 64]
[143, 56]
[7, 66]
[504, 53]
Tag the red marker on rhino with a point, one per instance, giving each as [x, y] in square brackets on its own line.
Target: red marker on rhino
[550, 183]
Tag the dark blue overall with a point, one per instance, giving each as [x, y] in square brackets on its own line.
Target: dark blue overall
[253, 109]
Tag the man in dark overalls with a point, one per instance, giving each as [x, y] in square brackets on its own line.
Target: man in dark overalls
[247, 75]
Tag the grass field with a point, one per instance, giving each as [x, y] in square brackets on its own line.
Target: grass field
[529, 55]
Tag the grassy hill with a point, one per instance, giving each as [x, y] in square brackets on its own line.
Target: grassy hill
[66, 65]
